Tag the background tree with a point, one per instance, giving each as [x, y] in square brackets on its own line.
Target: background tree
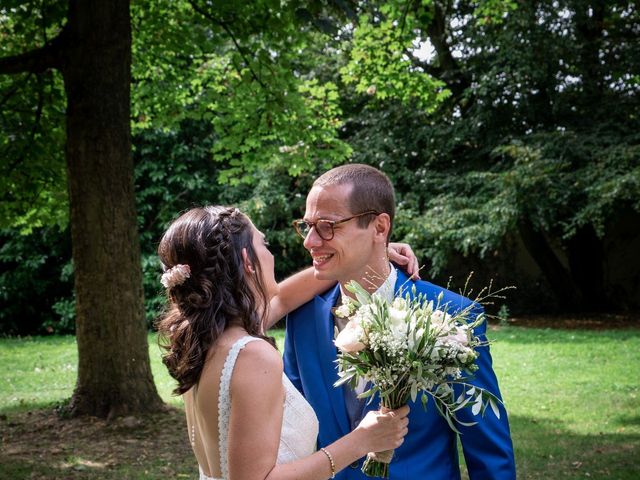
[92, 51]
[534, 153]
[509, 129]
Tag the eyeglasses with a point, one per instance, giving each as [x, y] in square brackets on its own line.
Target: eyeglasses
[324, 228]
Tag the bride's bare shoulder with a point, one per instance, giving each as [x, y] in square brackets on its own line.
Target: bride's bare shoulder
[259, 365]
[259, 355]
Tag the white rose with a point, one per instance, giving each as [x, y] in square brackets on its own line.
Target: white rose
[439, 317]
[350, 338]
[399, 332]
[343, 311]
[397, 317]
[399, 303]
[460, 336]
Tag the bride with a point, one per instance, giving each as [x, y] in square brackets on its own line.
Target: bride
[245, 419]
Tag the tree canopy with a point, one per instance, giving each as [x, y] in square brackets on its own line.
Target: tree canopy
[509, 128]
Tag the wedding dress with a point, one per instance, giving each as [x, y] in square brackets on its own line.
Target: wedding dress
[299, 421]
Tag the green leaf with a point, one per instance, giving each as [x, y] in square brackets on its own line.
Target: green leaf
[494, 407]
[414, 391]
[475, 409]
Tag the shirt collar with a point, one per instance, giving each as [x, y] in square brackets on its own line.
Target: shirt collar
[386, 290]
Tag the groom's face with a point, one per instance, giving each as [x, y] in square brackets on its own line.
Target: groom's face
[345, 256]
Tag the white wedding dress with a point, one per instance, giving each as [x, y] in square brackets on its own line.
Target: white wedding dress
[299, 421]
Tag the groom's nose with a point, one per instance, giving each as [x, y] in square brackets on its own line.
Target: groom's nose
[312, 240]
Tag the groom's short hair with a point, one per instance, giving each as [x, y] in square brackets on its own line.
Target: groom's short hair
[371, 190]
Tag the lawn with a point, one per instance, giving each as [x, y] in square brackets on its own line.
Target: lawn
[572, 397]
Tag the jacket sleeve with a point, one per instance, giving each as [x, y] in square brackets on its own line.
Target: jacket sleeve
[290, 358]
[487, 446]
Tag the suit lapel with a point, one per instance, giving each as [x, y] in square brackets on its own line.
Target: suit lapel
[327, 354]
[402, 283]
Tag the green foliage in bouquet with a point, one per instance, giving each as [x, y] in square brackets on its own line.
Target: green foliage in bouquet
[411, 346]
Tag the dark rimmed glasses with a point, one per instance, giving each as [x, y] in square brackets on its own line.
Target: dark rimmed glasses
[324, 228]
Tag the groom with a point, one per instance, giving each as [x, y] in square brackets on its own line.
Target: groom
[347, 222]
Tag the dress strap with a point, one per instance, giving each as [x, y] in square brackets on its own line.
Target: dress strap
[224, 400]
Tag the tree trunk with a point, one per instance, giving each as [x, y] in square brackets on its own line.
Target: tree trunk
[586, 260]
[114, 374]
[556, 274]
[457, 81]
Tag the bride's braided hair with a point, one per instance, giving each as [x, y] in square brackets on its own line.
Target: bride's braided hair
[218, 292]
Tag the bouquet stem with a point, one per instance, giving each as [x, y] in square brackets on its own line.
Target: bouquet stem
[377, 463]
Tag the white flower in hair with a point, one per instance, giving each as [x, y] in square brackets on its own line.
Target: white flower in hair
[175, 275]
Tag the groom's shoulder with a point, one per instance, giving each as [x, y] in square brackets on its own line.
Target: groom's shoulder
[328, 296]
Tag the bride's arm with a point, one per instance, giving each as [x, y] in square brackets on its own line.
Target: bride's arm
[293, 292]
[257, 397]
[301, 287]
[402, 255]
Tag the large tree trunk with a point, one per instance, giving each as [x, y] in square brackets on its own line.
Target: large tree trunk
[114, 375]
[93, 52]
[556, 274]
[586, 260]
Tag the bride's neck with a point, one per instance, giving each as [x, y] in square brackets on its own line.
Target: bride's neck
[236, 327]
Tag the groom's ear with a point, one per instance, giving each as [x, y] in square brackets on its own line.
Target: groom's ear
[248, 267]
[382, 224]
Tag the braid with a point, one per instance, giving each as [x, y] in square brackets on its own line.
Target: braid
[218, 293]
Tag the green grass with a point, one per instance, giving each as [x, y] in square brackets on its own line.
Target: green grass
[573, 401]
[41, 371]
[36, 371]
[572, 396]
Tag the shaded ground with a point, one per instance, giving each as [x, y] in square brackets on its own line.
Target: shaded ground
[40, 445]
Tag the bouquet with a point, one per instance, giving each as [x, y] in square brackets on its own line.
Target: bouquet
[406, 347]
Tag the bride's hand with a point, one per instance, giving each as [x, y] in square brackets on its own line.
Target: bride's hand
[401, 254]
[384, 431]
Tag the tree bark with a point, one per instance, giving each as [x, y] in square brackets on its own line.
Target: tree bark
[94, 54]
[586, 261]
[556, 274]
[114, 374]
[457, 81]
[589, 26]
[34, 61]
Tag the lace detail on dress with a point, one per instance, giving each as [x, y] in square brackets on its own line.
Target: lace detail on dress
[299, 422]
[299, 426]
[203, 476]
[224, 400]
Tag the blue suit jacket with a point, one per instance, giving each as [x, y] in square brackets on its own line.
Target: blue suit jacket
[429, 450]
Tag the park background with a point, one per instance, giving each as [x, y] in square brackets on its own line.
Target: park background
[510, 130]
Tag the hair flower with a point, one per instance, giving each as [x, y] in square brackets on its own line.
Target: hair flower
[176, 275]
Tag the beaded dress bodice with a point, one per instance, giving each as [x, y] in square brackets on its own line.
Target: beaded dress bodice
[299, 421]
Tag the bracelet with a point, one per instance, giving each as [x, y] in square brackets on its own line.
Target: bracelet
[333, 465]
